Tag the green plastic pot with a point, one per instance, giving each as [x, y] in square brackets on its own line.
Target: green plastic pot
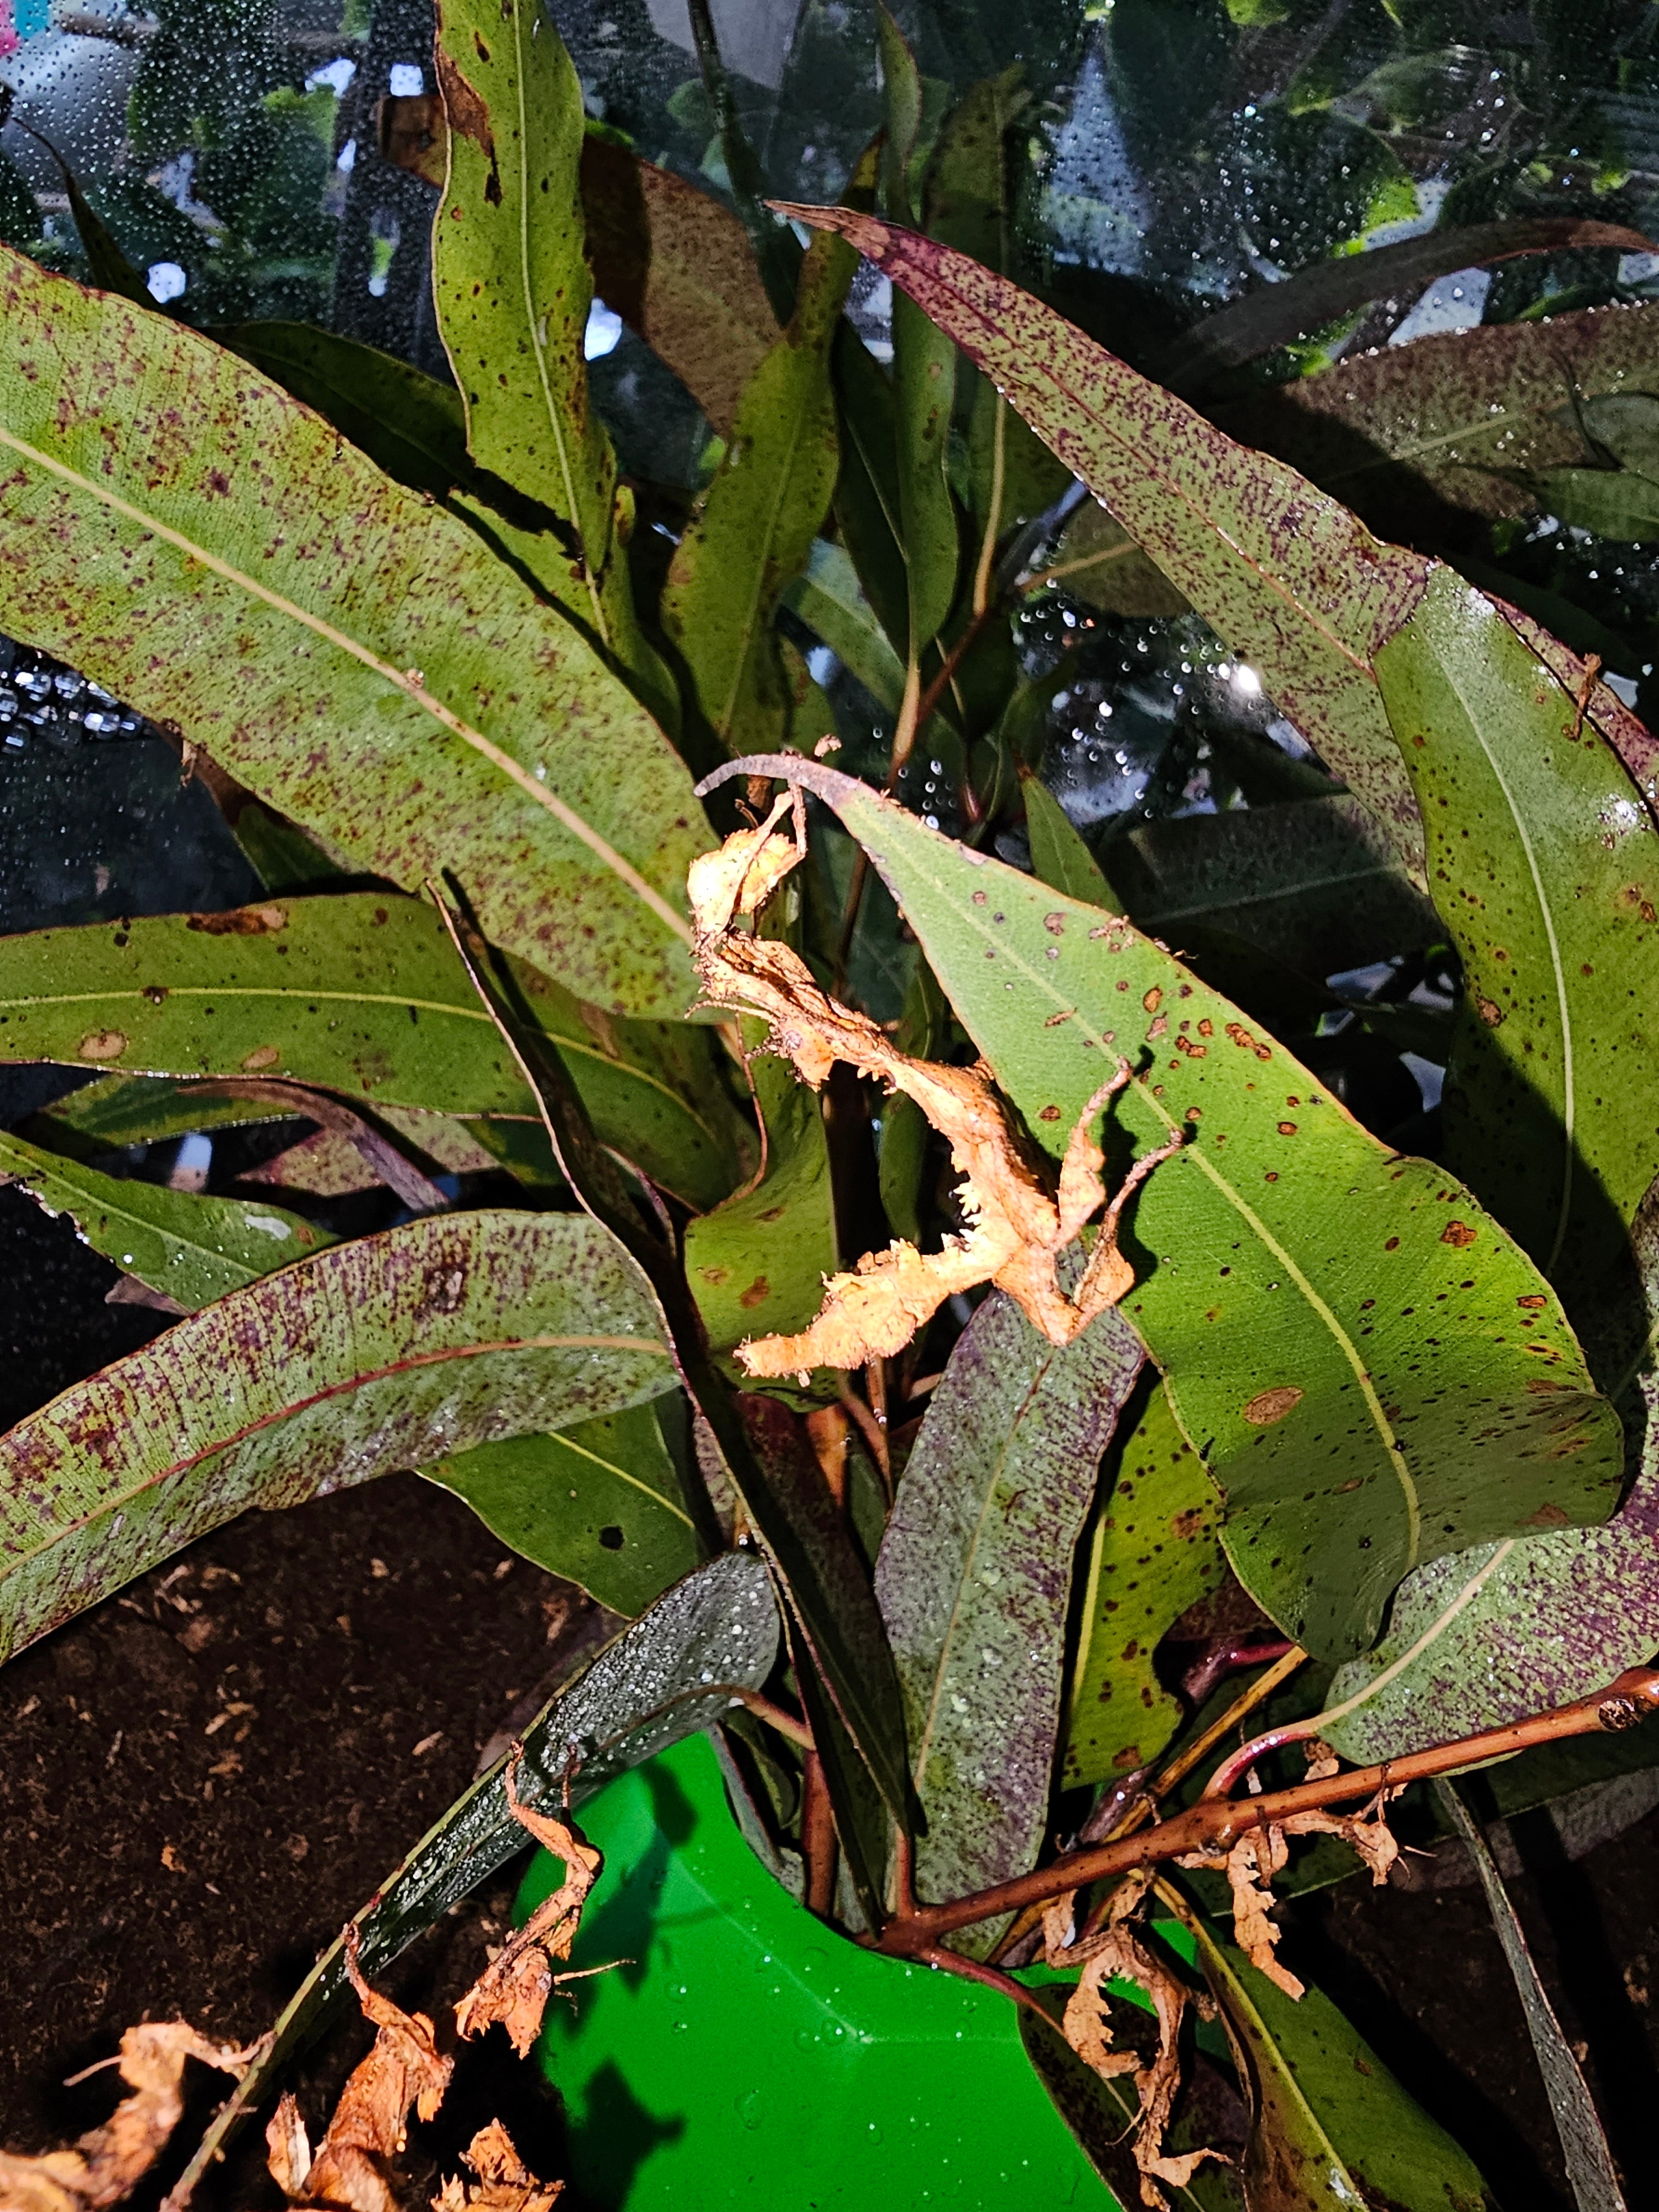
[746, 2056]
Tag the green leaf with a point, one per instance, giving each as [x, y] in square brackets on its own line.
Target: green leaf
[867, 513]
[601, 1504]
[1441, 433]
[1330, 2126]
[754, 526]
[1496, 1634]
[756, 1263]
[241, 572]
[1615, 503]
[192, 1249]
[1584, 2150]
[449, 1331]
[675, 266]
[783, 1494]
[830, 601]
[361, 994]
[1327, 290]
[1284, 1259]
[513, 290]
[1059, 856]
[1627, 424]
[974, 1578]
[1545, 866]
[1291, 582]
[1313, 882]
[408, 424]
[641, 1693]
[1153, 1550]
[1097, 562]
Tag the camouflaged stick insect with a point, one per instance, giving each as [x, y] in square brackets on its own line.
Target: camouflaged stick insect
[1017, 1228]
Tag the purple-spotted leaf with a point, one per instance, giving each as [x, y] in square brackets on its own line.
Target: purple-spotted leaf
[1285, 1260]
[974, 1579]
[448, 1332]
[1489, 1636]
[186, 533]
[1289, 577]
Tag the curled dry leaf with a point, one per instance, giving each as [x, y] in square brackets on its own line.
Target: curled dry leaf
[349, 2170]
[504, 2185]
[1116, 1949]
[108, 2162]
[1255, 1858]
[1017, 1225]
[514, 1987]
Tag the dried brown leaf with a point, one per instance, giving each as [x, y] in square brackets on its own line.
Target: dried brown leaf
[514, 1987]
[349, 2173]
[1255, 1858]
[1116, 1949]
[1017, 1225]
[505, 2184]
[108, 2162]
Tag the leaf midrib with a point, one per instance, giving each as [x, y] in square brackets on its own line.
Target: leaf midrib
[115, 1502]
[400, 679]
[657, 1497]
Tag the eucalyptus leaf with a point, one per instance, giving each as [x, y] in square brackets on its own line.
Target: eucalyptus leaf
[662, 1680]
[1614, 503]
[1494, 1634]
[1292, 582]
[1153, 1550]
[755, 527]
[360, 993]
[1059, 856]
[601, 1504]
[513, 290]
[1283, 1259]
[245, 575]
[1557, 1050]
[973, 1579]
[191, 1248]
[1330, 2126]
[829, 599]
[450, 1331]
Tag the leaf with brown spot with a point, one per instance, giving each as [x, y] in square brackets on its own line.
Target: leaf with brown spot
[450, 1331]
[1260, 1262]
[312, 599]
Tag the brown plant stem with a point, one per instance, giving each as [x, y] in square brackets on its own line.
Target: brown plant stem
[1215, 1823]
[818, 1838]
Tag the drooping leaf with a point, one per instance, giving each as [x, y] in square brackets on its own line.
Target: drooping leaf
[1277, 314]
[662, 1680]
[676, 267]
[1153, 1550]
[1432, 440]
[1584, 2152]
[512, 289]
[243, 575]
[1282, 1260]
[1059, 856]
[601, 1504]
[1614, 503]
[192, 1249]
[974, 1577]
[829, 599]
[755, 527]
[1330, 2126]
[1544, 863]
[1493, 1634]
[785, 1499]
[756, 1263]
[1291, 582]
[449, 1331]
[360, 993]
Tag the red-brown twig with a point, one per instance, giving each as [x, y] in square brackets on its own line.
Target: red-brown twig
[1218, 1821]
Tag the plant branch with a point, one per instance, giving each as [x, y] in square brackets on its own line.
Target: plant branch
[1217, 1822]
